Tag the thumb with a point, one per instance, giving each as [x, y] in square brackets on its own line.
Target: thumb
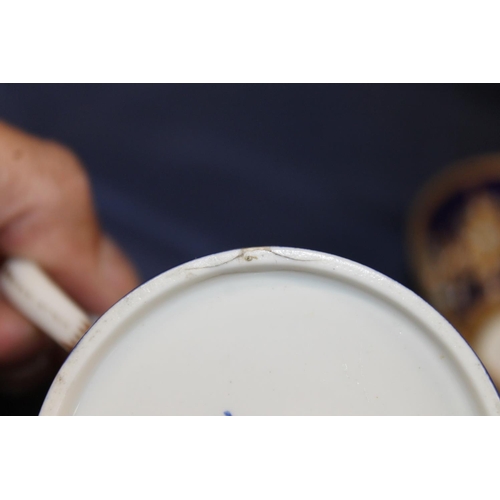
[96, 280]
[47, 215]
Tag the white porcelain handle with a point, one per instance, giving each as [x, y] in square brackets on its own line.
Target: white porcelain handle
[26, 286]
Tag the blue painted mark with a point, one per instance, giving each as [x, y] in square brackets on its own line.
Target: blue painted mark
[228, 414]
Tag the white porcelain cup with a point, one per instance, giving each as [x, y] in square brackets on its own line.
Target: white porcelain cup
[271, 331]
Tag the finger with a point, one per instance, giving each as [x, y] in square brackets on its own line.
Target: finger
[57, 227]
[47, 215]
[96, 281]
[28, 358]
[19, 339]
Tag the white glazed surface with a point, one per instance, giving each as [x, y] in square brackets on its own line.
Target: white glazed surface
[272, 331]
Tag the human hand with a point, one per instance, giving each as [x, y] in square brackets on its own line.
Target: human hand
[47, 215]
